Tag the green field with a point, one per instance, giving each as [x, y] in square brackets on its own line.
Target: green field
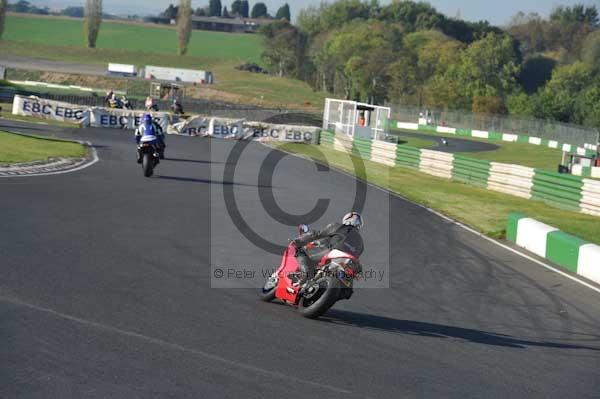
[135, 37]
[15, 148]
[485, 211]
[61, 39]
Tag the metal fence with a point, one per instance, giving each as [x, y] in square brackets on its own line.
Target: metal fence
[562, 132]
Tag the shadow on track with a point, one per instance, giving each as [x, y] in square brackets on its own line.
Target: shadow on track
[192, 161]
[205, 181]
[409, 327]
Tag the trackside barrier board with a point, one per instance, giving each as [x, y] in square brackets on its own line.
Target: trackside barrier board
[123, 119]
[240, 129]
[196, 126]
[49, 109]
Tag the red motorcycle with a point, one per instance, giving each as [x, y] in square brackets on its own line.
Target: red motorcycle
[333, 280]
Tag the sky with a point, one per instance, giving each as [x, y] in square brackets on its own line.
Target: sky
[497, 12]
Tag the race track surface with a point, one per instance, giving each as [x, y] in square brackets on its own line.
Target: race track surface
[454, 144]
[106, 292]
[38, 64]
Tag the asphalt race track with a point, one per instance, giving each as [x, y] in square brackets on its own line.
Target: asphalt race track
[37, 64]
[105, 291]
[454, 144]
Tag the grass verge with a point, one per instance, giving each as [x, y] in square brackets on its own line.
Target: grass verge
[15, 148]
[485, 211]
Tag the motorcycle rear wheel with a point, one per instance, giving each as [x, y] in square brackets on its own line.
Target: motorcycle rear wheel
[147, 165]
[317, 305]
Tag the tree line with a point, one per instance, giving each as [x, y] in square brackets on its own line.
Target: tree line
[238, 9]
[408, 53]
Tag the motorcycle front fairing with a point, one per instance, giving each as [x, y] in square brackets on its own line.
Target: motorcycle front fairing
[289, 265]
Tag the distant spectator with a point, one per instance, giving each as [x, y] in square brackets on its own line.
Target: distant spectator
[361, 119]
[177, 108]
[109, 95]
[150, 106]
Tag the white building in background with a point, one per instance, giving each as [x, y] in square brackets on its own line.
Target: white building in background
[178, 75]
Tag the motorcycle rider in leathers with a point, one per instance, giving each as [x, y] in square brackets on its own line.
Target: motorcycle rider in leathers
[344, 237]
[149, 126]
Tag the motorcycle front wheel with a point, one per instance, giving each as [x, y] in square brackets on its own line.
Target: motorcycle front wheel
[267, 293]
[315, 304]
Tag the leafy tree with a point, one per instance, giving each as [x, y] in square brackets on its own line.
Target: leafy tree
[520, 104]
[488, 105]
[341, 12]
[92, 21]
[184, 26]
[412, 15]
[571, 25]
[22, 6]
[591, 51]
[75, 12]
[423, 55]
[536, 71]
[3, 8]
[558, 100]
[244, 8]
[588, 105]
[284, 47]
[225, 13]
[259, 10]
[171, 12]
[214, 8]
[578, 14]
[356, 75]
[488, 67]
[284, 12]
[236, 7]
[530, 30]
[309, 20]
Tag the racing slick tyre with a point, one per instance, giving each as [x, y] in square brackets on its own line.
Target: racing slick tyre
[147, 165]
[314, 304]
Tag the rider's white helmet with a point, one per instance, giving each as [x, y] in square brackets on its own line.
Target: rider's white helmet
[353, 219]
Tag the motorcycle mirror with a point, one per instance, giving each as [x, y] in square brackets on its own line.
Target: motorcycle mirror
[303, 228]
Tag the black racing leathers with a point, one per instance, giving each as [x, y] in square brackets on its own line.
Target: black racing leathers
[333, 236]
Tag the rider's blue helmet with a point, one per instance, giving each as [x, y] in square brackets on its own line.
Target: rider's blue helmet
[147, 119]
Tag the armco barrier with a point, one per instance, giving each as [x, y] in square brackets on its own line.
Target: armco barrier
[558, 189]
[570, 252]
[511, 179]
[587, 149]
[562, 191]
[590, 197]
[471, 171]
